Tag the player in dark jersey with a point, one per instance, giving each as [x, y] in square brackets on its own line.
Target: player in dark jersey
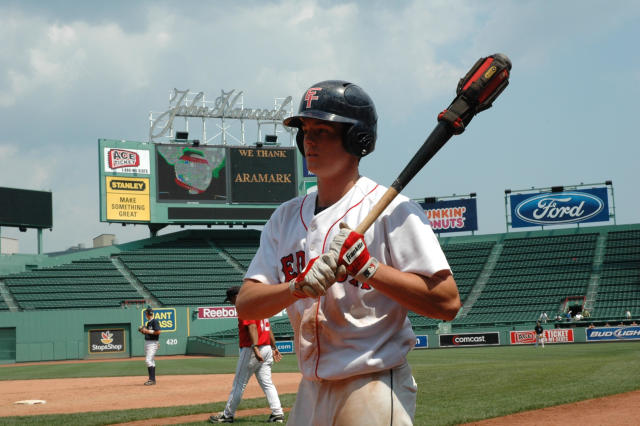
[151, 332]
[257, 353]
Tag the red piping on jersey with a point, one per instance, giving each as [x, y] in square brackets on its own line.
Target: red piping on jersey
[323, 245]
[345, 213]
[301, 218]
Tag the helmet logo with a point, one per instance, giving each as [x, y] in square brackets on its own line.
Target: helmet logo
[310, 96]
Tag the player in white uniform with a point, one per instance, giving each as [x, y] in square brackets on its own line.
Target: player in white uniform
[258, 352]
[351, 337]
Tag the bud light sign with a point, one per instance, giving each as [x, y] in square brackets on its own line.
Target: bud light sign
[559, 208]
[452, 215]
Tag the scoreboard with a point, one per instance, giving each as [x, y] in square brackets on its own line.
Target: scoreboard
[188, 183]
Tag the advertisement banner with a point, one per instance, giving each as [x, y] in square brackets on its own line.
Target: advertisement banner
[106, 341]
[216, 312]
[128, 161]
[262, 175]
[469, 339]
[558, 208]
[285, 346]
[127, 198]
[422, 342]
[526, 337]
[599, 334]
[166, 318]
[305, 169]
[452, 215]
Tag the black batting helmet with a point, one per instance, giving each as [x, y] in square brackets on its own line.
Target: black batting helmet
[341, 102]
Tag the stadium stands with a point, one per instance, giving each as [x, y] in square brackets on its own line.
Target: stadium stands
[502, 278]
[534, 275]
[195, 270]
[89, 283]
[619, 286]
[467, 260]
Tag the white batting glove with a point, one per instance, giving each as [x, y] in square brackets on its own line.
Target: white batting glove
[349, 248]
[317, 277]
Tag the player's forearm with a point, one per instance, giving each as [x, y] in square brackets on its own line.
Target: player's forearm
[434, 297]
[257, 300]
[253, 334]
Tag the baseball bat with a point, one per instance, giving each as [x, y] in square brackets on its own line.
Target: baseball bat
[476, 92]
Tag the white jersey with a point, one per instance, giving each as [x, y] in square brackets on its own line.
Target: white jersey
[353, 329]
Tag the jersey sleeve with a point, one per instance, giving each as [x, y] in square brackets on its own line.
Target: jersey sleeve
[247, 323]
[412, 244]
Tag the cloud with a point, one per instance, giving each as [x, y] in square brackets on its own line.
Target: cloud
[70, 74]
[56, 58]
[28, 167]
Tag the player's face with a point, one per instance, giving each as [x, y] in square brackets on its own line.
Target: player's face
[323, 148]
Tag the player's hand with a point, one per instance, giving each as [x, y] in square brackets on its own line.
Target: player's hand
[277, 356]
[256, 352]
[317, 277]
[352, 252]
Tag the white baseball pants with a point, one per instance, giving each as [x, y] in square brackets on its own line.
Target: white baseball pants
[150, 349]
[384, 398]
[247, 365]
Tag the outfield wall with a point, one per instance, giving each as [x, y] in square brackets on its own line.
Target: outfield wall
[65, 334]
[71, 334]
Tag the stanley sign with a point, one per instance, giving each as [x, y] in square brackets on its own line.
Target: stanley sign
[127, 199]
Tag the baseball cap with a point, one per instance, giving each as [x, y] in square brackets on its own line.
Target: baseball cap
[231, 292]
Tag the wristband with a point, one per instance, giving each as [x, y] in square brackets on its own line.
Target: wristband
[370, 268]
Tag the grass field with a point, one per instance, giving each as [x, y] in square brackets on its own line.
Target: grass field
[455, 385]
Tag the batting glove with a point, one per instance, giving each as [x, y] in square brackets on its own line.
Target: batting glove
[352, 252]
[316, 278]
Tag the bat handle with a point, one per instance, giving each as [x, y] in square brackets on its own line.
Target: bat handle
[438, 137]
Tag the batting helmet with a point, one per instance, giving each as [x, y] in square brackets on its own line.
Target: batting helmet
[149, 310]
[340, 102]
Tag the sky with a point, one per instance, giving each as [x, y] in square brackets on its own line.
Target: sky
[72, 72]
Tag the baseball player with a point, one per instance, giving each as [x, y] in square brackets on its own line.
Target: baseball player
[151, 333]
[258, 351]
[347, 295]
[539, 334]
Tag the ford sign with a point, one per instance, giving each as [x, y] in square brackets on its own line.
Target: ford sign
[559, 208]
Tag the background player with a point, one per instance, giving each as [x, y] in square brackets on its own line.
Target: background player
[151, 332]
[351, 338]
[257, 352]
[539, 334]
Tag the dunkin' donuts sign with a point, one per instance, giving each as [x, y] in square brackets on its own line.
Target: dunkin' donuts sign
[559, 208]
[217, 312]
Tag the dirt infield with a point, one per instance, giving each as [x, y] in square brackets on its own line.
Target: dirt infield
[620, 410]
[120, 393]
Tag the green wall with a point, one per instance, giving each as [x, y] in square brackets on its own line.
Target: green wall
[47, 335]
